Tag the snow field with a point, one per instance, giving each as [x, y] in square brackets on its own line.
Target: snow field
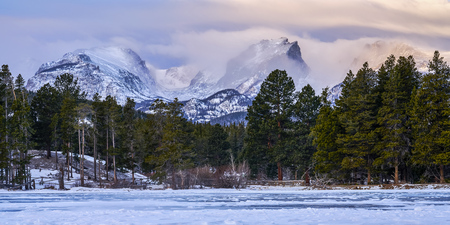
[220, 206]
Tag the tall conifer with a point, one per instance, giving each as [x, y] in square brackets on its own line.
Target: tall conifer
[431, 117]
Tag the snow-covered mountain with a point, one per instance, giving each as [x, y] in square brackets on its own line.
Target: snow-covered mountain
[376, 54]
[218, 105]
[247, 71]
[334, 93]
[207, 96]
[111, 71]
[175, 78]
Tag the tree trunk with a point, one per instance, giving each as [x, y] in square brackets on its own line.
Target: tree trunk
[61, 177]
[280, 172]
[173, 178]
[99, 170]
[56, 157]
[132, 162]
[82, 159]
[114, 157]
[369, 178]
[71, 164]
[307, 180]
[107, 154]
[49, 153]
[396, 171]
[79, 144]
[441, 168]
[56, 151]
[68, 162]
[114, 164]
[95, 157]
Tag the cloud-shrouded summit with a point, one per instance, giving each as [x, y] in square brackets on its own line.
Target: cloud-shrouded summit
[206, 33]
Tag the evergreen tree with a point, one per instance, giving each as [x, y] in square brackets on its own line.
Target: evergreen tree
[66, 85]
[112, 110]
[269, 122]
[358, 117]
[431, 117]
[67, 123]
[301, 148]
[6, 98]
[97, 123]
[128, 129]
[175, 150]
[393, 115]
[83, 111]
[43, 108]
[217, 150]
[200, 144]
[20, 130]
[236, 136]
[327, 158]
[4, 153]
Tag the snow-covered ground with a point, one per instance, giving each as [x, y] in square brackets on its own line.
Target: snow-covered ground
[220, 206]
[46, 175]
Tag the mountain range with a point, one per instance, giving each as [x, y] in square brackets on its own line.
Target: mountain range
[122, 73]
[207, 97]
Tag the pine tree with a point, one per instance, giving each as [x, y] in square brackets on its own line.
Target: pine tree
[43, 108]
[236, 136]
[20, 130]
[83, 111]
[67, 122]
[4, 153]
[269, 122]
[112, 121]
[431, 117]
[358, 117]
[301, 148]
[97, 115]
[174, 152]
[393, 115]
[66, 85]
[128, 129]
[217, 146]
[327, 158]
[6, 94]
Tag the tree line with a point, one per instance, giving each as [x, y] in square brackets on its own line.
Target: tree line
[59, 118]
[389, 124]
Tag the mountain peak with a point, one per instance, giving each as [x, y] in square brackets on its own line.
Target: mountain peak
[252, 66]
[377, 52]
[114, 71]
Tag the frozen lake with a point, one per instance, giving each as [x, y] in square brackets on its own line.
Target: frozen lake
[284, 206]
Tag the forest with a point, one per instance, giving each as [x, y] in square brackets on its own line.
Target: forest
[389, 125]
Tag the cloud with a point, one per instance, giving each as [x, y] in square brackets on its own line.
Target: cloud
[212, 49]
[208, 32]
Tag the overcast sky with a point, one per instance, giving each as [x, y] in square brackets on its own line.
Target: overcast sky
[168, 33]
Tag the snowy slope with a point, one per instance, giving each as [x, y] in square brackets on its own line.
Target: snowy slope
[376, 54]
[334, 93]
[176, 77]
[220, 104]
[247, 71]
[207, 96]
[221, 206]
[109, 71]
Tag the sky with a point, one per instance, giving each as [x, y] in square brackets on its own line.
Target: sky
[207, 33]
